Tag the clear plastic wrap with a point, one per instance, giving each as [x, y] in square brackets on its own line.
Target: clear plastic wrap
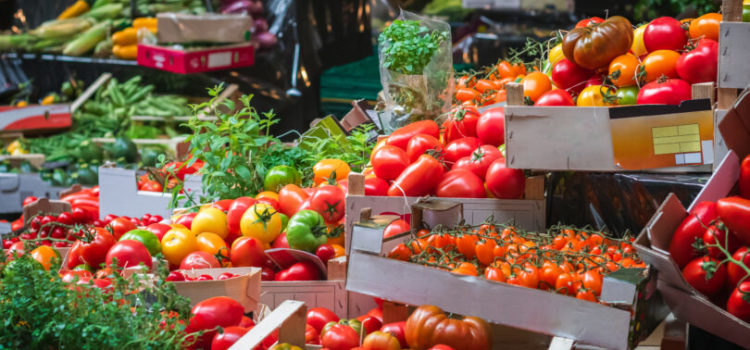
[416, 85]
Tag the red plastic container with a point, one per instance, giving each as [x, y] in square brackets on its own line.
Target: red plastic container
[35, 117]
[196, 60]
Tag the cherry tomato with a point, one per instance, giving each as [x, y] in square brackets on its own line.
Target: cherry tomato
[535, 85]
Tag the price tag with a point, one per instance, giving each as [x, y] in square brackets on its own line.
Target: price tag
[650, 137]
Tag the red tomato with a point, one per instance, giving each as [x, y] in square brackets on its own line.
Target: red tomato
[419, 178]
[735, 273]
[280, 241]
[175, 276]
[80, 275]
[389, 162]
[479, 161]
[700, 64]
[401, 136]
[569, 76]
[128, 253]
[199, 260]
[420, 144]
[120, 226]
[18, 250]
[397, 329]
[291, 198]
[738, 303]
[735, 213]
[226, 276]
[213, 312]
[589, 21]
[246, 322]
[204, 278]
[460, 148]
[235, 212]
[664, 33]
[716, 234]
[340, 337]
[461, 123]
[375, 186]
[555, 97]
[744, 182]
[668, 92]
[441, 347]
[503, 182]
[247, 251]
[491, 127]
[186, 220]
[270, 201]
[695, 273]
[28, 200]
[223, 204]
[223, 341]
[159, 229]
[396, 227]
[300, 271]
[692, 227]
[94, 253]
[329, 202]
[267, 274]
[319, 316]
[325, 252]
[460, 183]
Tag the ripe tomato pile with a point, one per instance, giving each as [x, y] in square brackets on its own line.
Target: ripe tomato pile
[607, 63]
[711, 248]
[565, 260]
[460, 158]
[169, 174]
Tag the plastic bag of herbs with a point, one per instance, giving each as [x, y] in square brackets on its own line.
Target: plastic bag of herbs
[416, 70]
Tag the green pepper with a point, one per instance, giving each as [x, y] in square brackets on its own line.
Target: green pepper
[280, 176]
[284, 221]
[306, 231]
[353, 323]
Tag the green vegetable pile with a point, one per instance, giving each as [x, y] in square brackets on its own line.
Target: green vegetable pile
[40, 311]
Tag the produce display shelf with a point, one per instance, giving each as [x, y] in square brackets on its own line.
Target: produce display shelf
[64, 58]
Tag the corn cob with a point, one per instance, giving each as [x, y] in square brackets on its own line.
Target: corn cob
[103, 48]
[87, 40]
[110, 11]
[78, 8]
[64, 28]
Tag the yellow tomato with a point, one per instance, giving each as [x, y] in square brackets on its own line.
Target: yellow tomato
[213, 244]
[45, 255]
[212, 220]
[339, 249]
[261, 221]
[13, 146]
[268, 194]
[177, 243]
[324, 168]
[639, 46]
[593, 96]
[177, 225]
[555, 55]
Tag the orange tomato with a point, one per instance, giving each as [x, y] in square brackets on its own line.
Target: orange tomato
[465, 268]
[548, 275]
[45, 255]
[485, 251]
[324, 170]
[213, 244]
[626, 65]
[466, 245]
[466, 94]
[494, 274]
[400, 252]
[507, 70]
[535, 85]
[487, 85]
[268, 194]
[706, 26]
[528, 276]
[592, 280]
[585, 294]
[658, 63]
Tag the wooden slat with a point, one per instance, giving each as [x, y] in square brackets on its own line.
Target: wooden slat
[90, 91]
[514, 93]
[289, 318]
[731, 10]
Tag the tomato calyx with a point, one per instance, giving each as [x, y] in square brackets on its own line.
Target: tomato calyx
[710, 268]
[263, 217]
[331, 180]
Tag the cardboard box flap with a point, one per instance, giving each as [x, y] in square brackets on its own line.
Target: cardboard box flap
[208, 27]
[436, 212]
[722, 181]
[45, 206]
[288, 318]
[705, 315]
[735, 127]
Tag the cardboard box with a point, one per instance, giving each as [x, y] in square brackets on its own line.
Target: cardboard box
[205, 28]
[528, 213]
[119, 194]
[630, 138]
[184, 61]
[533, 310]
[14, 188]
[245, 288]
[330, 293]
[290, 318]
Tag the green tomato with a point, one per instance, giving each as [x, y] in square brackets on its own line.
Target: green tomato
[627, 95]
[746, 13]
[146, 237]
[306, 231]
[280, 176]
[353, 323]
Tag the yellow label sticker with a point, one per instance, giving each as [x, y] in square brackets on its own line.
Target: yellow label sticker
[676, 139]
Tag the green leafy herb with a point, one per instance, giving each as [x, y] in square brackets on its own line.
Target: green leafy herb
[409, 46]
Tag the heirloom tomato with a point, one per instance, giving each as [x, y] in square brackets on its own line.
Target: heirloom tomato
[177, 243]
[210, 220]
[593, 47]
[261, 221]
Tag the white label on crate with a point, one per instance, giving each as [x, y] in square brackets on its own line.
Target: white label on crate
[692, 158]
[219, 59]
